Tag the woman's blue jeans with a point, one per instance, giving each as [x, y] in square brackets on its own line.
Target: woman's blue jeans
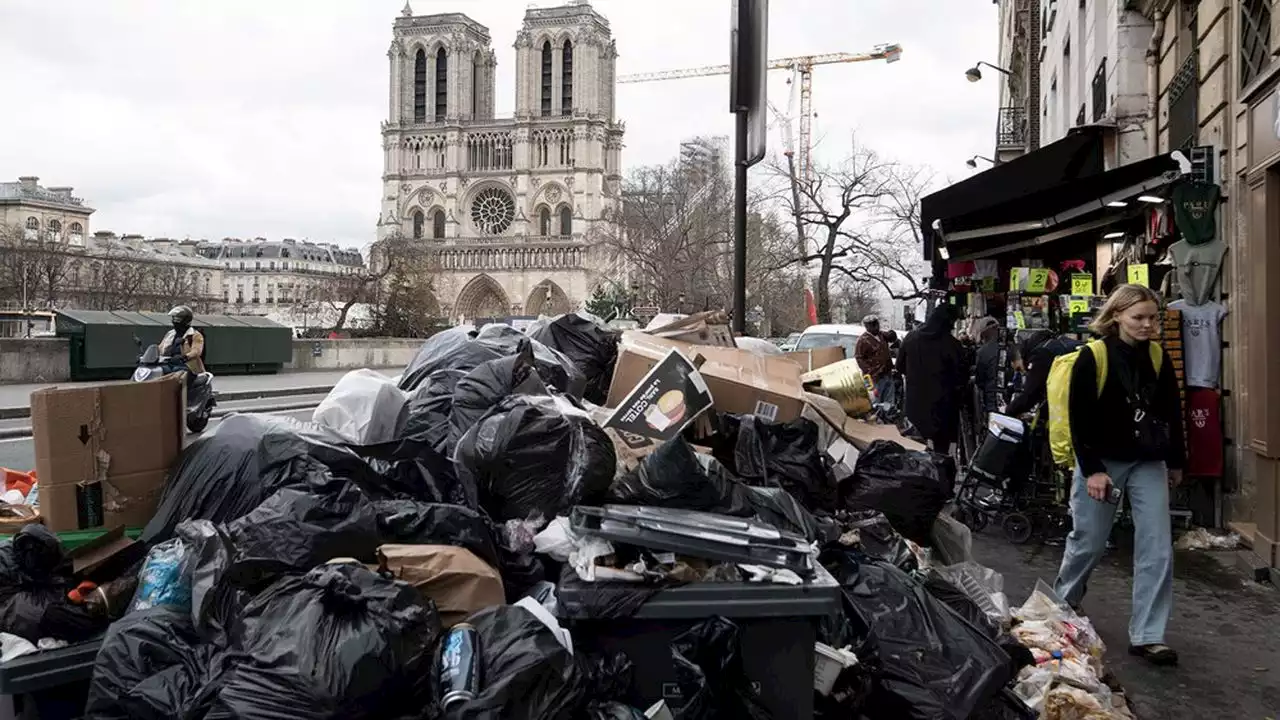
[1146, 484]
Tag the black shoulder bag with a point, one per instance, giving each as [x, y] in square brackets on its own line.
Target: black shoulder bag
[1150, 431]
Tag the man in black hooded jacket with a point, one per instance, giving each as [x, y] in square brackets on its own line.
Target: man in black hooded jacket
[1035, 357]
[932, 365]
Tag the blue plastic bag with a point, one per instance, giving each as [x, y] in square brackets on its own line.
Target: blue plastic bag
[165, 578]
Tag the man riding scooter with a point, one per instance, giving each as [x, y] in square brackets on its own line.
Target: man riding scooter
[184, 344]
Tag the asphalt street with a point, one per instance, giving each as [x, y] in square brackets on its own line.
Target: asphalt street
[19, 453]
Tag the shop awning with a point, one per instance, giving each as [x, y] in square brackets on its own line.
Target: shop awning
[1061, 211]
[1078, 155]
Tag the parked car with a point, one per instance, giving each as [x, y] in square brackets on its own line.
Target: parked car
[789, 343]
[823, 336]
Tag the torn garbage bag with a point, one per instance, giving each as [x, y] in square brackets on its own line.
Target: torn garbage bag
[585, 340]
[907, 486]
[486, 386]
[708, 663]
[785, 455]
[364, 407]
[527, 674]
[466, 348]
[246, 458]
[931, 663]
[535, 455]
[152, 665]
[339, 642]
[870, 531]
[674, 476]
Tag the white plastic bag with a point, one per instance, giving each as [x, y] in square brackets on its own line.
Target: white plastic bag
[365, 407]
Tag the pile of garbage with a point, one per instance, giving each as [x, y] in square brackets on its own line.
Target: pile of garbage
[549, 525]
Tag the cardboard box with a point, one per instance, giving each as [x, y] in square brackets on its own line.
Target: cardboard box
[809, 360]
[103, 452]
[704, 328]
[740, 382]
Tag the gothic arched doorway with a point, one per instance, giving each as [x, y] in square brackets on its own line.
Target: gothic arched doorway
[547, 298]
[482, 297]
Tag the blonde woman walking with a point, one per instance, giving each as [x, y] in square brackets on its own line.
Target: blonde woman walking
[1127, 436]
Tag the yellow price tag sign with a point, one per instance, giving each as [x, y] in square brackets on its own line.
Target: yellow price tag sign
[1020, 319]
[1039, 280]
[1140, 274]
[1082, 284]
[988, 284]
[1013, 279]
[1078, 307]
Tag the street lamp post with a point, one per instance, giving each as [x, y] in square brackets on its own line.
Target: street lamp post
[974, 74]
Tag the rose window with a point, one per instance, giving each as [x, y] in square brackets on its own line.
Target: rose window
[493, 210]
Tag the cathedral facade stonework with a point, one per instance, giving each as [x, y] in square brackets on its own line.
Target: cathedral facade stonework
[507, 206]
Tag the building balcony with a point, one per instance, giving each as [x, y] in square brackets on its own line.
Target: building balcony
[1012, 130]
[519, 240]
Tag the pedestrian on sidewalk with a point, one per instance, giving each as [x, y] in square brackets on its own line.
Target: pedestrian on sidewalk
[1128, 437]
[875, 359]
[932, 365]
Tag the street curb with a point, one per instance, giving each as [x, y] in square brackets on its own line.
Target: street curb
[25, 432]
[18, 413]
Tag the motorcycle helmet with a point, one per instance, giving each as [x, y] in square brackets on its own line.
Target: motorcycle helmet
[181, 316]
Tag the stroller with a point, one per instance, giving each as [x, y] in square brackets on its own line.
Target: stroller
[1012, 480]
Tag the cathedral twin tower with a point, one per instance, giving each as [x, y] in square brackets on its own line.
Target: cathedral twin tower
[509, 206]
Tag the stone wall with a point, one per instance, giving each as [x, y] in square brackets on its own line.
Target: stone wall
[352, 354]
[34, 360]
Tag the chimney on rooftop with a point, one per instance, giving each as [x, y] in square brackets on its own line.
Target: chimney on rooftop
[28, 182]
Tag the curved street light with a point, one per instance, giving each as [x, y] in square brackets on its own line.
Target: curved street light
[973, 161]
[974, 74]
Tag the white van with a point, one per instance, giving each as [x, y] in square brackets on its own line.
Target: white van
[823, 336]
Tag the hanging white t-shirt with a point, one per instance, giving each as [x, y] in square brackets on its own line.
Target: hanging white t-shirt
[1202, 341]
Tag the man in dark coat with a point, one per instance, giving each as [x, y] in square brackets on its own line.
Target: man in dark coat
[932, 364]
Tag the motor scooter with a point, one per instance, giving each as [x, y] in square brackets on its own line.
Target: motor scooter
[200, 396]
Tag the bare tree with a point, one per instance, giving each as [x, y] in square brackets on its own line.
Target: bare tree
[119, 277]
[33, 272]
[675, 234]
[827, 205]
[774, 283]
[885, 251]
[856, 300]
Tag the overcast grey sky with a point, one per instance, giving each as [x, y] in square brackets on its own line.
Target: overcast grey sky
[194, 118]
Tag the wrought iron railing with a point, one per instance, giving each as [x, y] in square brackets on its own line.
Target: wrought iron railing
[1099, 89]
[1011, 130]
[1184, 97]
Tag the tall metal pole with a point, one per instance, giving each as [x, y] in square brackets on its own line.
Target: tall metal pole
[740, 225]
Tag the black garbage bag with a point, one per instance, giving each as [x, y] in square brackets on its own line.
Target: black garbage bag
[483, 388]
[527, 674]
[708, 662]
[430, 407]
[153, 665]
[536, 456]
[907, 486]
[466, 348]
[674, 476]
[931, 663]
[247, 458]
[418, 470]
[338, 642]
[878, 538]
[293, 531]
[409, 522]
[613, 711]
[34, 579]
[786, 455]
[586, 341]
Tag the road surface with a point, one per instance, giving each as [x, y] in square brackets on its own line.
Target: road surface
[15, 396]
[19, 454]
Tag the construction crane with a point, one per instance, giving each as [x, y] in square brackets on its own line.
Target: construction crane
[801, 66]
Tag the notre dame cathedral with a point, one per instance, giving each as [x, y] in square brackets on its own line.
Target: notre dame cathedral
[511, 201]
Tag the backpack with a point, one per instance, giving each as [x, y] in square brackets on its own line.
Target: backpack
[1058, 389]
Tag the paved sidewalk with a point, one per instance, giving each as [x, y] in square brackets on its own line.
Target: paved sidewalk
[12, 396]
[1225, 628]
